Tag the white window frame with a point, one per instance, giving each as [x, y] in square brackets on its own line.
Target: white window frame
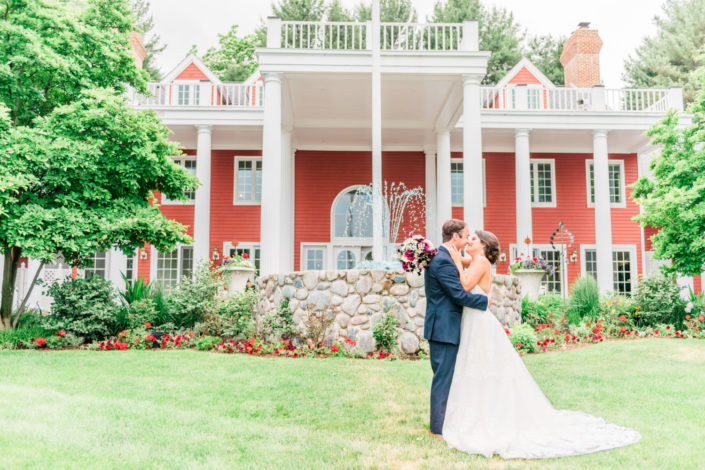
[484, 185]
[135, 264]
[251, 246]
[622, 195]
[345, 241]
[180, 160]
[193, 86]
[304, 247]
[355, 250]
[511, 88]
[106, 266]
[632, 259]
[153, 263]
[253, 201]
[554, 196]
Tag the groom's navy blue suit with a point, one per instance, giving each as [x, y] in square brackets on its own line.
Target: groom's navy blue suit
[445, 299]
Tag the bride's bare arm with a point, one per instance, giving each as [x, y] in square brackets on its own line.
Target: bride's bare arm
[471, 276]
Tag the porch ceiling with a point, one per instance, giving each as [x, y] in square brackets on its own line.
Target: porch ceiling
[223, 137]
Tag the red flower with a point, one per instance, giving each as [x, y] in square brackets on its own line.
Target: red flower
[622, 318]
[151, 338]
[687, 317]
[507, 331]
[191, 334]
[245, 256]
[701, 318]
[137, 340]
[148, 325]
[668, 327]
[41, 342]
[62, 333]
[656, 331]
[519, 345]
[334, 349]
[622, 328]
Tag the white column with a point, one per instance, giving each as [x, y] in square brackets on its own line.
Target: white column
[117, 266]
[377, 229]
[522, 170]
[271, 209]
[472, 154]
[444, 210]
[202, 206]
[603, 222]
[286, 247]
[431, 223]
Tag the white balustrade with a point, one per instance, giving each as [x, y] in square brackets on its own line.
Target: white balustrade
[576, 99]
[324, 35]
[233, 95]
[421, 36]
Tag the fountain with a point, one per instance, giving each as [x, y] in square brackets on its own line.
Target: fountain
[402, 207]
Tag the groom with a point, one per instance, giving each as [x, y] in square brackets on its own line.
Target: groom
[445, 299]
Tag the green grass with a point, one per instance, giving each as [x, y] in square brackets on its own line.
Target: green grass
[187, 409]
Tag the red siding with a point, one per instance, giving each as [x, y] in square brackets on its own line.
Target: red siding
[523, 76]
[192, 73]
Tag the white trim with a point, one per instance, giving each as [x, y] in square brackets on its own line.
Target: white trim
[511, 105]
[179, 159]
[303, 259]
[524, 62]
[251, 246]
[153, 263]
[614, 205]
[254, 159]
[534, 170]
[346, 241]
[355, 250]
[632, 259]
[484, 183]
[188, 60]
[559, 268]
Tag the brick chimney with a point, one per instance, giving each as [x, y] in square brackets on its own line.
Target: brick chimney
[137, 48]
[581, 57]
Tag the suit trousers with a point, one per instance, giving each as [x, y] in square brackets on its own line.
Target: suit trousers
[443, 364]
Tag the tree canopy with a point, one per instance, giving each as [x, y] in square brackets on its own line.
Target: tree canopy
[144, 24]
[675, 53]
[673, 199]
[234, 58]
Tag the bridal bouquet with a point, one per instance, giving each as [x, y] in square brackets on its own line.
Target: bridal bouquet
[415, 253]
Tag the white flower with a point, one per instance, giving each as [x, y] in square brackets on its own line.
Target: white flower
[689, 307]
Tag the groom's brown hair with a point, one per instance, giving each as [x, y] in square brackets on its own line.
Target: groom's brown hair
[452, 226]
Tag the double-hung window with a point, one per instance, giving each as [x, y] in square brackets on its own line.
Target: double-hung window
[616, 182]
[456, 182]
[174, 266]
[248, 180]
[623, 266]
[188, 162]
[98, 267]
[543, 182]
[314, 258]
[188, 93]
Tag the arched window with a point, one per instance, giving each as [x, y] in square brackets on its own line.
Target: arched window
[352, 214]
[346, 259]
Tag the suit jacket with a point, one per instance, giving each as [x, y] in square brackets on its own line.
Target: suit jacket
[445, 299]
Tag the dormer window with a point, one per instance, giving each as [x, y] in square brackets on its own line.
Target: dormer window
[533, 97]
[188, 93]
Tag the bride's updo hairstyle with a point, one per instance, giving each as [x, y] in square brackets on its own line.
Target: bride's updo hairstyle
[491, 245]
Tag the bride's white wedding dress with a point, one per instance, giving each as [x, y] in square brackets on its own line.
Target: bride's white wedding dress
[495, 406]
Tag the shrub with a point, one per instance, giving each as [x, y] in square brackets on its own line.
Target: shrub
[523, 338]
[547, 309]
[10, 339]
[232, 316]
[206, 343]
[279, 324]
[193, 298]
[140, 312]
[316, 323]
[135, 291]
[386, 331]
[585, 299]
[85, 307]
[658, 300]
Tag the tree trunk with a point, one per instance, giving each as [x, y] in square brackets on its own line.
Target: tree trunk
[26, 297]
[9, 275]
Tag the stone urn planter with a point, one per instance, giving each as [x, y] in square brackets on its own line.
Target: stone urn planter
[237, 277]
[530, 280]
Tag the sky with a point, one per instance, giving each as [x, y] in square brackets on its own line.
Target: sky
[622, 24]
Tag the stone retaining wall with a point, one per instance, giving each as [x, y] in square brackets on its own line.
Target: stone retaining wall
[358, 299]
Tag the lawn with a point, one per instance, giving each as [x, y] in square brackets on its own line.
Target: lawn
[188, 409]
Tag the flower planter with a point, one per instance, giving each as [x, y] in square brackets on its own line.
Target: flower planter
[530, 280]
[237, 277]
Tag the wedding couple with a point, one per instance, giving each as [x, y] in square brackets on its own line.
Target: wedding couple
[483, 399]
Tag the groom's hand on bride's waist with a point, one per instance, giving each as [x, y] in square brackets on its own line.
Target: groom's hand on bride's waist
[489, 299]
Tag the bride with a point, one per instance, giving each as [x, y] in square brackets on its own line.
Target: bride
[494, 405]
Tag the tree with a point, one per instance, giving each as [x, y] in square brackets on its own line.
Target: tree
[390, 11]
[77, 164]
[234, 59]
[545, 53]
[144, 24]
[673, 56]
[674, 198]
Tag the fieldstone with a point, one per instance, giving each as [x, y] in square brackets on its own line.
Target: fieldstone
[404, 321]
[377, 287]
[506, 302]
[374, 307]
[301, 294]
[322, 275]
[398, 279]
[418, 321]
[414, 280]
[353, 275]
[386, 284]
[411, 311]
[296, 317]
[399, 289]
[377, 274]
[281, 279]
[409, 343]
[353, 332]
[268, 289]
[339, 288]
[323, 285]
[293, 305]
[413, 298]
[288, 292]
[297, 283]
[310, 279]
[342, 320]
[365, 342]
[277, 296]
[371, 299]
[419, 332]
[365, 326]
[351, 303]
[359, 320]
[319, 299]
[336, 300]
[422, 292]
[342, 332]
[364, 285]
[421, 307]
[362, 309]
[331, 275]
